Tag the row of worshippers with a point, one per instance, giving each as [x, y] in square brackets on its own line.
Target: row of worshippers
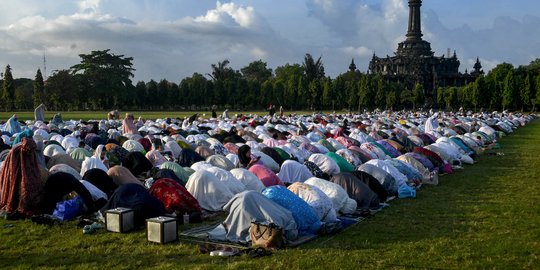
[298, 173]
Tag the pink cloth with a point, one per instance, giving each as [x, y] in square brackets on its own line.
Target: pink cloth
[128, 127]
[267, 177]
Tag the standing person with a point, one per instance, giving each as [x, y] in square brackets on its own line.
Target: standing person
[214, 108]
[281, 111]
[128, 126]
[21, 181]
[13, 126]
[226, 114]
[39, 113]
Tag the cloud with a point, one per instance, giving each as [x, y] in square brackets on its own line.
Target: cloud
[363, 26]
[161, 49]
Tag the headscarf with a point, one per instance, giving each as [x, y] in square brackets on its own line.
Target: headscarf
[304, 216]
[167, 173]
[155, 157]
[267, 176]
[13, 126]
[101, 180]
[211, 193]
[137, 163]
[64, 159]
[92, 163]
[180, 172]
[293, 171]
[60, 184]
[365, 198]
[128, 126]
[135, 196]
[21, 185]
[313, 196]
[175, 198]
[204, 151]
[121, 176]
[188, 157]
[250, 180]
[79, 154]
[220, 162]
[146, 143]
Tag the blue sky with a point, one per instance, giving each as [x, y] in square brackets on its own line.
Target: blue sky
[172, 39]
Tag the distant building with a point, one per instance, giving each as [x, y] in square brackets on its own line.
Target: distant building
[414, 62]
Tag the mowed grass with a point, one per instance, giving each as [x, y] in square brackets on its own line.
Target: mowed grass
[485, 216]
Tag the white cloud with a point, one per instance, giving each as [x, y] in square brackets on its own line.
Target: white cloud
[357, 51]
[89, 5]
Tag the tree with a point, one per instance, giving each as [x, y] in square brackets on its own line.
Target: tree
[221, 71]
[108, 77]
[8, 90]
[314, 90]
[379, 91]
[479, 96]
[509, 90]
[256, 71]
[440, 97]
[525, 92]
[39, 89]
[60, 91]
[451, 98]
[418, 95]
[314, 70]
[536, 99]
[363, 93]
[391, 98]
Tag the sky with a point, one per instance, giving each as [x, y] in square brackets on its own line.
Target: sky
[172, 39]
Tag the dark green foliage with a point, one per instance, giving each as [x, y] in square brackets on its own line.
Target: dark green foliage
[8, 90]
[102, 81]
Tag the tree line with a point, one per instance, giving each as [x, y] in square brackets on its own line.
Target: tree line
[103, 81]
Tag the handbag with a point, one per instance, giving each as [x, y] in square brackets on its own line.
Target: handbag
[268, 236]
[69, 209]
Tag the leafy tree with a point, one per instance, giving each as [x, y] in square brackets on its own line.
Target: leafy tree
[525, 93]
[8, 89]
[496, 79]
[60, 88]
[391, 98]
[314, 70]
[221, 71]
[451, 98]
[536, 100]
[418, 95]
[509, 90]
[479, 95]
[108, 76]
[379, 91]
[294, 94]
[152, 92]
[363, 93]
[314, 90]
[351, 92]
[256, 71]
[39, 89]
[23, 90]
[440, 97]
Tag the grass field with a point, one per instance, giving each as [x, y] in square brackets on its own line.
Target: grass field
[485, 216]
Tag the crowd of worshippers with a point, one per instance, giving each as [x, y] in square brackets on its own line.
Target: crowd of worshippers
[296, 171]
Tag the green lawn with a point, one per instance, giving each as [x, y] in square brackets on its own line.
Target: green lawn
[485, 216]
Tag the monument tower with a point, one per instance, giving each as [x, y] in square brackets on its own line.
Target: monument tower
[414, 61]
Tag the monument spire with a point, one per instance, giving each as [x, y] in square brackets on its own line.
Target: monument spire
[415, 25]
